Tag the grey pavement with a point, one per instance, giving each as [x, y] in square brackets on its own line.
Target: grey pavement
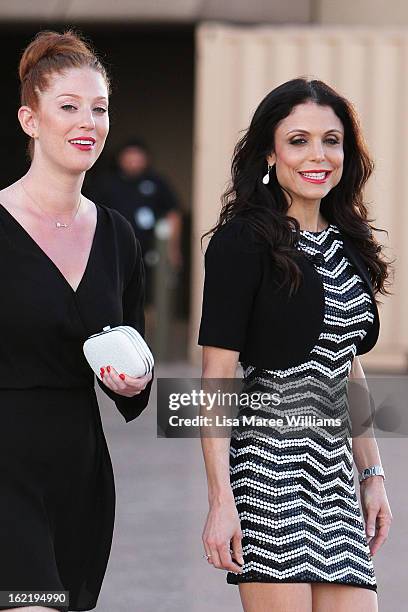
[156, 563]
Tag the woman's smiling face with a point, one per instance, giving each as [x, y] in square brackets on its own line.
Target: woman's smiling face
[71, 122]
[308, 151]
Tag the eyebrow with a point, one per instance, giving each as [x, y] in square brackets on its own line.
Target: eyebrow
[71, 95]
[306, 132]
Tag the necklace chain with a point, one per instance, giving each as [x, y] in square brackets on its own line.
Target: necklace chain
[57, 224]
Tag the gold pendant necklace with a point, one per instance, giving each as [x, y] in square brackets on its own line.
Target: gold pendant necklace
[58, 224]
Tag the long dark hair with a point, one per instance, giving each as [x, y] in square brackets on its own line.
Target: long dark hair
[264, 207]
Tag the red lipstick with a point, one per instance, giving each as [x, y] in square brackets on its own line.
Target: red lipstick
[83, 143]
[317, 177]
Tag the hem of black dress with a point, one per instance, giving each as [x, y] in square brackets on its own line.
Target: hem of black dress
[235, 579]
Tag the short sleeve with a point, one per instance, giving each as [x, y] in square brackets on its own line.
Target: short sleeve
[233, 268]
[133, 315]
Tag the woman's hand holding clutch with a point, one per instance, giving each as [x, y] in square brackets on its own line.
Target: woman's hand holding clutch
[123, 384]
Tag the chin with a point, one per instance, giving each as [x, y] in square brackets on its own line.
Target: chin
[79, 167]
[317, 193]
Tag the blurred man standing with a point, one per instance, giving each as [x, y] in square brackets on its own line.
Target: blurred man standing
[143, 197]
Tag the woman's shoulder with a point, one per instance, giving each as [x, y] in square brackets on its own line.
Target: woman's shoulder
[236, 234]
[120, 226]
[120, 234]
[116, 219]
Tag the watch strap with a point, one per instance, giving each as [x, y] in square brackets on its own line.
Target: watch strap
[373, 470]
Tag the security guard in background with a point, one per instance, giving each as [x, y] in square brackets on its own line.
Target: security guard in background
[143, 197]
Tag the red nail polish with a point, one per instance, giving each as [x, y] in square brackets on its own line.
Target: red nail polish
[102, 374]
[122, 376]
[102, 370]
[108, 368]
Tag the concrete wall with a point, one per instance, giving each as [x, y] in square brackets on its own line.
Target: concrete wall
[352, 12]
[237, 66]
[362, 12]
[276, 11]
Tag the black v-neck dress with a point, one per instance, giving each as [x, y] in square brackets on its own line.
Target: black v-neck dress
[57, 494]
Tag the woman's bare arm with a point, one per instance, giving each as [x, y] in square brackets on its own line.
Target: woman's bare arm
[374, 501]
[365, 448]
[222, 529]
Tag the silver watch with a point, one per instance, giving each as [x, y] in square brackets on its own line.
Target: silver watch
[373, 470]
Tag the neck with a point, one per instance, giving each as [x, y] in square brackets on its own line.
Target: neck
[308, 214]
[56, 191]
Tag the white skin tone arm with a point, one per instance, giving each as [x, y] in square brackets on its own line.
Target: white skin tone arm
[222, 530]
[375, 506]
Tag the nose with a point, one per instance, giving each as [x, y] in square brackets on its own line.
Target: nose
[317, 151]
[87, 119]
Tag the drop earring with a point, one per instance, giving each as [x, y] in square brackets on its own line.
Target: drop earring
[265, 179]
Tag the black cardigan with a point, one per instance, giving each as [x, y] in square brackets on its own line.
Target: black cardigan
[243, 309]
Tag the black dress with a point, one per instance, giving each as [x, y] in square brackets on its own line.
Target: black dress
[56, 481]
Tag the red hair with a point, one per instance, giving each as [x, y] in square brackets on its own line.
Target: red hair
[49, 53]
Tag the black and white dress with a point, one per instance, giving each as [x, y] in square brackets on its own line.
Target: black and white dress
[296, 498]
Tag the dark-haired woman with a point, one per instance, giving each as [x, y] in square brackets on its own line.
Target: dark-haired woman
[291, 273]
[70, 267]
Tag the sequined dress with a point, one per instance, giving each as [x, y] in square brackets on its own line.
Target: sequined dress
[295, 495]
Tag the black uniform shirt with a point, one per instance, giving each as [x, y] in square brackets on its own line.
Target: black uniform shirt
[142, 200]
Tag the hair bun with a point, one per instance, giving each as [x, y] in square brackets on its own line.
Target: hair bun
[47, 44]
[51, 53]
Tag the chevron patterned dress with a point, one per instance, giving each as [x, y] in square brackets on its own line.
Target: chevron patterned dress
[295, 495]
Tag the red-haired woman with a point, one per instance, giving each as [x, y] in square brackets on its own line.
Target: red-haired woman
[70, 267]
[291, 273]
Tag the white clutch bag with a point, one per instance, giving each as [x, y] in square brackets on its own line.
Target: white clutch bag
[121, 347]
